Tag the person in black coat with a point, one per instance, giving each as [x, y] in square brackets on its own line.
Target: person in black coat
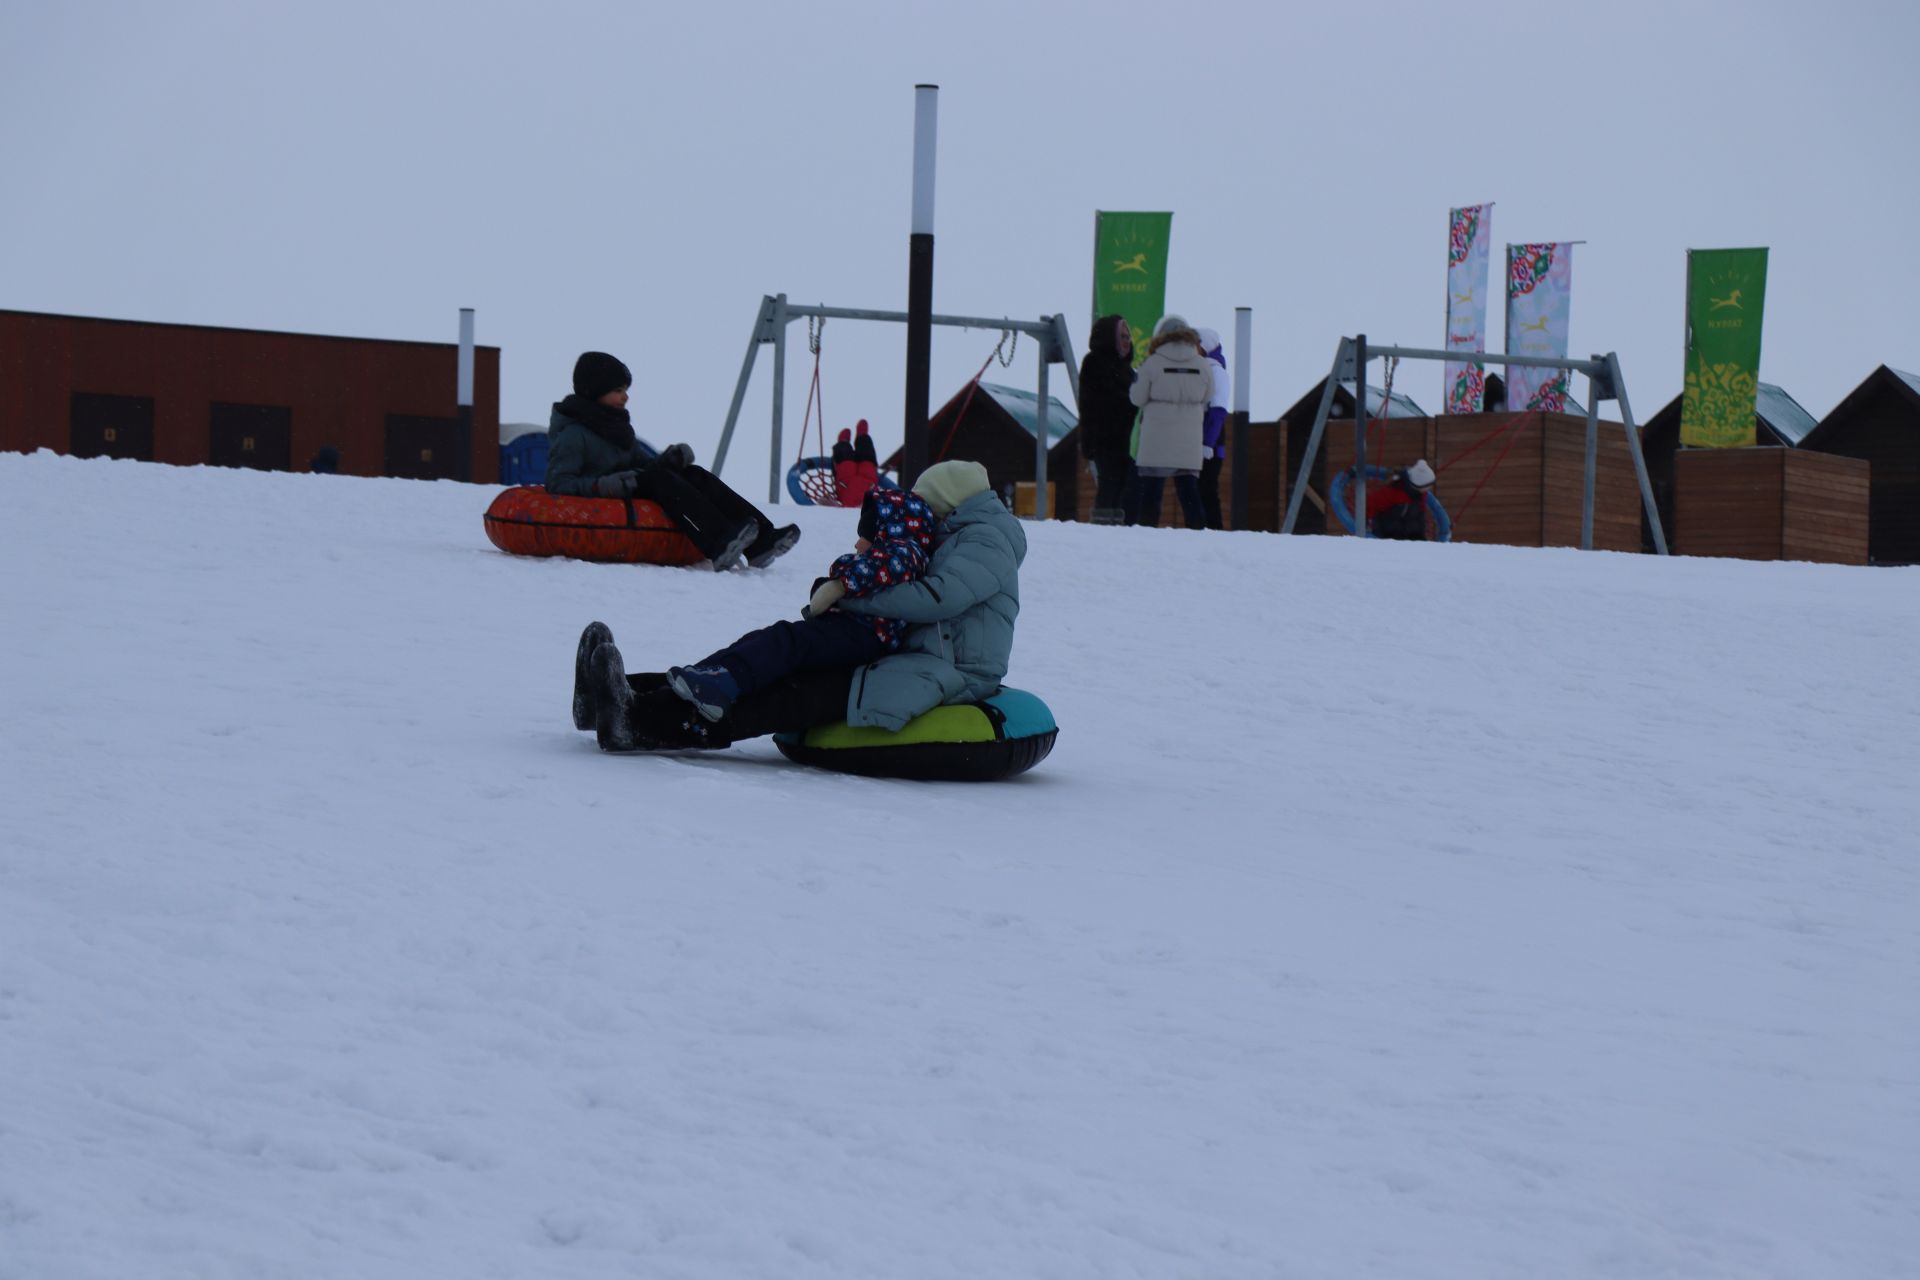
[1106, 416]
[592, 452]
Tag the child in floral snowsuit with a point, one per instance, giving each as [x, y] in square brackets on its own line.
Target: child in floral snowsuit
[895, 540]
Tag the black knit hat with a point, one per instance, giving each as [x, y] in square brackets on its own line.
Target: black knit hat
[595, 373]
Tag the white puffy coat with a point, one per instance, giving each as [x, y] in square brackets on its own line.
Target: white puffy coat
[1173, 388]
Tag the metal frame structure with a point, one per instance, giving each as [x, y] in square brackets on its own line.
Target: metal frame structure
[770, 327]
[1604, 382]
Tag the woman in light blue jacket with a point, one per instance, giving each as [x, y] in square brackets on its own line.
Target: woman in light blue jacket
[962, 612]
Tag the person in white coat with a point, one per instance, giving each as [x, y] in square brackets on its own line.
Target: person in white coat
[1173, 388]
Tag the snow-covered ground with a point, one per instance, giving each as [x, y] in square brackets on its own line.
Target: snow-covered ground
[1383, 911]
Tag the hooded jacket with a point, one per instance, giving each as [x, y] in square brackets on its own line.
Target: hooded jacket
[961, 612]
[1106, 414]
[1173, 389]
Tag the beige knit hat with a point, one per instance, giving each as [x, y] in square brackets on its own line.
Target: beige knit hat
[945, 485]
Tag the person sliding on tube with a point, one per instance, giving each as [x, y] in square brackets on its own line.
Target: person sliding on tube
[592, 452]
[1397, 509]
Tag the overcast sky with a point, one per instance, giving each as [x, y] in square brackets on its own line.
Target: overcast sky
[633, 177]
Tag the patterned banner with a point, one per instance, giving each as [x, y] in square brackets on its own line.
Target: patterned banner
[1726, 289]
[1130, 271]
[1539, 302]
[1468, 231]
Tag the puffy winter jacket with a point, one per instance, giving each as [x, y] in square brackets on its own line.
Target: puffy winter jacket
[962, 612]
[1173, 389]
[577, 456]
[1213, 432]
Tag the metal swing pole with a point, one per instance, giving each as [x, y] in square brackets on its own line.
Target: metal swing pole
[1360, 436]
[1040, 443]
[760, 335]
[1341, 355]
[1619, 382]
[779, 395]
[1241, 447]
[1593, 454]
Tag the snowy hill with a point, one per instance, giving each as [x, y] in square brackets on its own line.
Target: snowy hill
[1384, 911]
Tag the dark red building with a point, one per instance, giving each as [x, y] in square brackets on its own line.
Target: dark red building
[189, 394]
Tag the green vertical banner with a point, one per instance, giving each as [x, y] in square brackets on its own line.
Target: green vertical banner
[1726, 289]
[1130, 271]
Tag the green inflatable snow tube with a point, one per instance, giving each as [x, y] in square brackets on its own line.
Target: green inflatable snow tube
[999, 737]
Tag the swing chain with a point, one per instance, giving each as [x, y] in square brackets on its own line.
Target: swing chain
[816, 328]
[1003, 350]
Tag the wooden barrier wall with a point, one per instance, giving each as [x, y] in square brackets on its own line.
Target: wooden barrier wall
[1771, 504]
[1512, 479]
[1266, 490]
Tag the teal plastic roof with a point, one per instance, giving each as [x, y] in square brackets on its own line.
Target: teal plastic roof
[1401, 406]
[1783, 413]
[1912, 380]
[1025, 408]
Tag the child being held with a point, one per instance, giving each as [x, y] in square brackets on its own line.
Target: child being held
[895, 540]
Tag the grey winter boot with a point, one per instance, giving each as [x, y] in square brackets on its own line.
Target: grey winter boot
[595, 635]
[1107, 515]
[613, 697]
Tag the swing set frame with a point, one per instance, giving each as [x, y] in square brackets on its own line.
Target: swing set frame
[1604, 382]
[770, 329]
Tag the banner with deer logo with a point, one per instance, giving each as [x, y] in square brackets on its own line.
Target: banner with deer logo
[1725, 291]
[1130, 271]
[1468, 231]
[1539, 304]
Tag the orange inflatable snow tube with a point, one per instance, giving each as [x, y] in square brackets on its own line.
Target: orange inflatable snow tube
[529, 521]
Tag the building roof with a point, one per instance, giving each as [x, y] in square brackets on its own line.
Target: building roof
[1398, 406]
[1775, 412]
[1783, 413]
[1907, 383]
[1024, 408]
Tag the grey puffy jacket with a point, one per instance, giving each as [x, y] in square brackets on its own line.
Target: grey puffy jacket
[962, 612]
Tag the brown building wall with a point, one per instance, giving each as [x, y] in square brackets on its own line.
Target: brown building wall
[337, 391]
[1770, 504]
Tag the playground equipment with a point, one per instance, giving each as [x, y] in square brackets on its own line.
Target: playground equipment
[1604, 382]
[770, 328]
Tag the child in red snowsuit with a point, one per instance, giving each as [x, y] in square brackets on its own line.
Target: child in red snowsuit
[856, 469]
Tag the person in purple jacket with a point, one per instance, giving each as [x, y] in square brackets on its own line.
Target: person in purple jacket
[1213, 431]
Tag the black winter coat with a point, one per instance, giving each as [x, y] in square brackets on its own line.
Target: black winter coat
[1106, 412]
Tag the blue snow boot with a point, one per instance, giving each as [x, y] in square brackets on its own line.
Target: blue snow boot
[584, 701]
[711, 690]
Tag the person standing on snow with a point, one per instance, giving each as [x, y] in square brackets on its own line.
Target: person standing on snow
[1213, 430]
[1172, 389]
[592, 452]
[1106, 417]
